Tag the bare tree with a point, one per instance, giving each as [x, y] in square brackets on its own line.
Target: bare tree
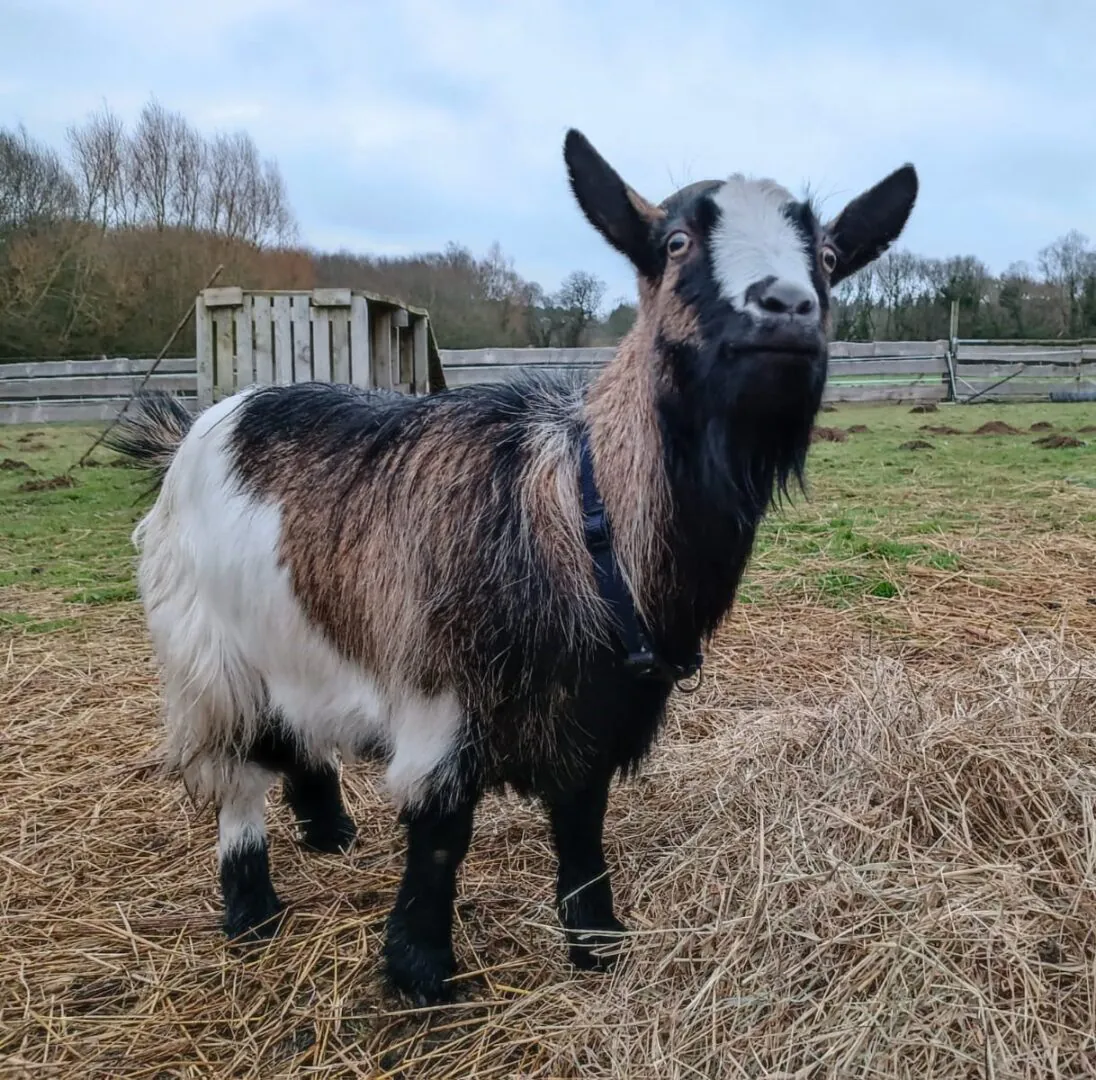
[190, 178]
[245, 198]
[99, 153]
[1066, 264]
[153, 159]
[34, 184]
[579, 300]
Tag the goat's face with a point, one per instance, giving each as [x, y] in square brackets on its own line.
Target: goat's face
[735, 275]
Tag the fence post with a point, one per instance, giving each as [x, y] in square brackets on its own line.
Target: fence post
[203, 327]
[950, 353]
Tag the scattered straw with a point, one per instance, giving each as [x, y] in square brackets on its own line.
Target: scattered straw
[858, 852]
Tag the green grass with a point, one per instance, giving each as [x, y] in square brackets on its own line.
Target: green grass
[73, 539]
[875, 512]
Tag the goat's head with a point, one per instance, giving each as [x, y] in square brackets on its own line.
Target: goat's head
[735, 275]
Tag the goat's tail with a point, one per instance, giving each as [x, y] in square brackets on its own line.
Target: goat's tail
[150, 431]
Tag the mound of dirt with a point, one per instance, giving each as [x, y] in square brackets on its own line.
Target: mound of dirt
[1042, 425]
[857, 429]
[939, 429]
[828, 434]
[14, 465]
[1058, 442]
[50, 484]
[996, 427]
[916, 444]
[930, 407]
[1088, 429]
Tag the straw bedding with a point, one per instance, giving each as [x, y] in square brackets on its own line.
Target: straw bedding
[861, 850]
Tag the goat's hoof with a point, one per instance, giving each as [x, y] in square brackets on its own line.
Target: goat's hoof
[256, 923]
[595, 948]
[420, 972]
[334, 837]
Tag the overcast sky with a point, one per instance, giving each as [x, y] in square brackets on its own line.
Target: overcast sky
[402, 125]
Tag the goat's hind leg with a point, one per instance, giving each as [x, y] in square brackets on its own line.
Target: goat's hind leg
[312, 790]
[314, 794]
[252, 910]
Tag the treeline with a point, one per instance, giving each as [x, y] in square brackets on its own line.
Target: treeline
[105, 241]
[904, 297]
[477, 302]
[103, 246]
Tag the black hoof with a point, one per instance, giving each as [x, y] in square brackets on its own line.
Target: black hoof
[255, 924]
[418, 971]
[334, 837]
[595, 949]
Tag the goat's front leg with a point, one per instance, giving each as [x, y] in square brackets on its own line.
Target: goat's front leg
[418, 947]
[584, 895]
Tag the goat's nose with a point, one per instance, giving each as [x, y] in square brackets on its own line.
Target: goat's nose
[778, 296]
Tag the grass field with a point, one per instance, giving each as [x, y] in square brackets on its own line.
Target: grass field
[865, 847]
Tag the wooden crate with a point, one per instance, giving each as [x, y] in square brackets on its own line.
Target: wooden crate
[325, 335]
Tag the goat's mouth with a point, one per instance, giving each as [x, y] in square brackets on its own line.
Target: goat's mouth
[790, 351]
[777, 349]
[782, 340]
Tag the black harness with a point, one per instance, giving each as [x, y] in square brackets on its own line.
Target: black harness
[642, 659]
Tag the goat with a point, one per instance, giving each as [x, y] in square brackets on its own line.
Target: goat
[492, 586]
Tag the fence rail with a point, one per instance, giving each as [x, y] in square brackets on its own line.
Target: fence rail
[859, 371]
[917, 371]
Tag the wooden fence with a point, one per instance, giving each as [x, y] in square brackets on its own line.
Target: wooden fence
[859, 371]
[94, 390]
[1011, 371]
[87, 391]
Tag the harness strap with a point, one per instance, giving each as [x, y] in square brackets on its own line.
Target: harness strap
[641, 658]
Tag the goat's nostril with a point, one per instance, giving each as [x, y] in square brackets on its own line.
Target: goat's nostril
[777, 297]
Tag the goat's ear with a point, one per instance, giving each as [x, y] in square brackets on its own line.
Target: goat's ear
[872, 222]
[621, 215]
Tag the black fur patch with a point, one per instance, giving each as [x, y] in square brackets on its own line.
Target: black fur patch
[313, 792]
[252, 910]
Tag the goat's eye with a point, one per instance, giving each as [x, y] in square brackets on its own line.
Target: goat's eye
[828, 257]
[678, 243]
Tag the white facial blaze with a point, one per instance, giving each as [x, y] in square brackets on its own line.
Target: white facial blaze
[754, 240]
